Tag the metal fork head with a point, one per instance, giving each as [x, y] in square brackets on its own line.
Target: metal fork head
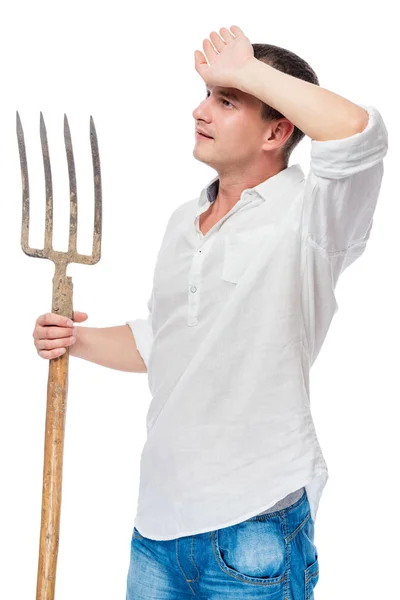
[61, 259]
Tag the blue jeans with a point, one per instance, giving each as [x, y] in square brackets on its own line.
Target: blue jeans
[268, 557]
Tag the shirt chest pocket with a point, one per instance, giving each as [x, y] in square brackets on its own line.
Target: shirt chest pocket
[241, 248]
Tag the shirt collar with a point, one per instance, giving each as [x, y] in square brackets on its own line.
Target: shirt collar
[281, 182]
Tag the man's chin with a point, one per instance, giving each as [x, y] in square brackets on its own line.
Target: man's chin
[202, 157]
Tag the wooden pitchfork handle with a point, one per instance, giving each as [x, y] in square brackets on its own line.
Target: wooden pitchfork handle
[57, 384]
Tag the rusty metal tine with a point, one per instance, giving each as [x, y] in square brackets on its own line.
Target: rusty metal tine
[48, 234]
[73, 198]
[25, 187]
[96, 253]
[25, 196]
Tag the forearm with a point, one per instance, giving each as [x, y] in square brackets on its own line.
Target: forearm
[319, 113]
[112, 347]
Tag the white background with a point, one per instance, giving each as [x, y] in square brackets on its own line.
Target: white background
[131, 66]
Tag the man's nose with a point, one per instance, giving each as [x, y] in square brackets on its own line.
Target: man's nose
[201, 112]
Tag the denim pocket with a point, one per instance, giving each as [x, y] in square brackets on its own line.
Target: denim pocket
[253, 551]
[311, 576]
[311, 572]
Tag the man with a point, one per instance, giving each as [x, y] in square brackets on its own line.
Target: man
[243, 296]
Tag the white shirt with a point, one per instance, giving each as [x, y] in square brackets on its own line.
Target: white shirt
[236, 319]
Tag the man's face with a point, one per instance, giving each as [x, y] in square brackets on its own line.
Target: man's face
[232, 118]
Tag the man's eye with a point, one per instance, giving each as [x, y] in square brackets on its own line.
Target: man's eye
[222, 99]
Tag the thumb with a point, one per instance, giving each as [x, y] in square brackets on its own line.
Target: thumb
[199, 61]
[78, 316]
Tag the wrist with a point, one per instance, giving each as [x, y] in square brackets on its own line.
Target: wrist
[249, 74]
[73, 348]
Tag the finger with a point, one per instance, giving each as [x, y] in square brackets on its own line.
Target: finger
[52, 353]
[209, 50]
[226, 34]
[48, 345]
[79, 316]
[217, 41]
[52, 333]
[54, 319]
[199, 60]
[236, 30]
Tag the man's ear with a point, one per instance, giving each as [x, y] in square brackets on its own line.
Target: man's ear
[277, 133]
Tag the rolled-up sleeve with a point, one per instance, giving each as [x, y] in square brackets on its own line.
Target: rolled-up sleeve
[342, 190]
[143, 333]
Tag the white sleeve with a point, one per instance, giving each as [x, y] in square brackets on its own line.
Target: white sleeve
[342, 190]
[143, 333]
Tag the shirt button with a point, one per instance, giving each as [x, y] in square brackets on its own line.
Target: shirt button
[193, 288]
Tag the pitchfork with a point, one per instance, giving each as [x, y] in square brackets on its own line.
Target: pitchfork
[57, 383]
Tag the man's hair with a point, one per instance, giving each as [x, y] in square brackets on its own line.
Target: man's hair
[288, 62]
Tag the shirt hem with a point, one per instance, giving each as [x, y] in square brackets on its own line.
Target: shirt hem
[318, 476]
